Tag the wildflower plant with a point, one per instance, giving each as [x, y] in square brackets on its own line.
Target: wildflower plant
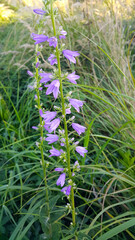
[57, 126]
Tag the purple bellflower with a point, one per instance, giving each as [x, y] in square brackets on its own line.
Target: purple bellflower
[54, 124]
[76, 103]
[39, 11]
[61, 180]
[48, 116]
[70, 55]
[63, 34]
[53, 88]
[52, 41]
[68, 111]
[51, 138]
[81, 150]
[78, 128]
[66, 190]
[59, 169]
[37, 64]
[46, 77]
[30, 73]
[38, 38]
[54, 152]
[34, 127]
[73, 77]
[52, 59]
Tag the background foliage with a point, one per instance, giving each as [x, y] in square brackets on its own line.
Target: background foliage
[103, 33]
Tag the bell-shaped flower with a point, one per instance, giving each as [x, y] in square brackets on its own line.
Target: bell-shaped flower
[39, 11]
[30, 73]
[76, 103]
[52, 41]
[59, 169]
[78, 128]
[51, 138]
[53, 87]
[46, 77]
[54, 124]
[70, 55]
[34, 127]
[61, 180]
[52, 59]
[81, 150]
[48, 116]
[72, 77]
[66, 190]
[38, 38]
[63, 34]
[55, 152]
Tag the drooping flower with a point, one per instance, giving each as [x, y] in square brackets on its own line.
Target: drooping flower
[39, 11]
[51, 138]
[54, 152]
[81, 150]
[68, 111]
[78, 128]
[30, 73]
[38, 38]
[61, 180]
[59, 169]
[54, 124]
[66, 190]
[40, 88]
[76, 103]
[70, 55]
[52, 41]
[63, 34]
[62, 140]
[37, 64]
[34, 127]
[52, 59]
[36, 97]
[72, 77]
[48, 116]
[46, 77]
[53, 87]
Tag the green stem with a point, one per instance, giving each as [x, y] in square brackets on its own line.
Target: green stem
[41, 143]
[64, 118]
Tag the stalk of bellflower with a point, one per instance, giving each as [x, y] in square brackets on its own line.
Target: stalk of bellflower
[37, 99]
[61, 180]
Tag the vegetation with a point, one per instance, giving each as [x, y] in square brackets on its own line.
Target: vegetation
[105, 195]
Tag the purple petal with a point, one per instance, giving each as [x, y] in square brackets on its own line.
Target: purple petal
[61, 180]
[81, 150]
[51, 138]
[59, 169]
[39, 11]
[78, 128]
[30, 73]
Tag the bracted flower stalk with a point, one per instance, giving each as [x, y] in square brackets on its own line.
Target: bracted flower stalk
[44, 166]
[64, 119]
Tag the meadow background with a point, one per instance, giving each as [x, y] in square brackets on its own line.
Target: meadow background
[103, 33]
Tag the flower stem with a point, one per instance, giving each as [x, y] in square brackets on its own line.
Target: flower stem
[64, 118]
[41, 143]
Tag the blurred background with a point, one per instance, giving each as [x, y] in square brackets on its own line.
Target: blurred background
[103, 33]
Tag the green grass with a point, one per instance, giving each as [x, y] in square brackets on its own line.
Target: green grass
[105, 192]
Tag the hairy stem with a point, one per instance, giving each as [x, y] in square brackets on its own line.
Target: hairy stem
[64, 118]
[41, 141]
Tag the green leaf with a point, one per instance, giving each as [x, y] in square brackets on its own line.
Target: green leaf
[116, 230]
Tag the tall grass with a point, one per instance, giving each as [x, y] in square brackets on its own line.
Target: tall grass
[105, 187]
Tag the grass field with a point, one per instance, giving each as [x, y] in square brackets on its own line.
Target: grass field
[103, 33]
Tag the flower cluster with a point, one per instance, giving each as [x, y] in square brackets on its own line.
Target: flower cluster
[51, 120]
